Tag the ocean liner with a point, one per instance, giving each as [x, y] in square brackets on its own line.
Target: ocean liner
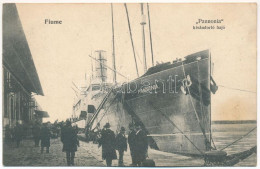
[171, 100]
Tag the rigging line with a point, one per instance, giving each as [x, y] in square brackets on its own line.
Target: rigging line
[108, 67]
[144, 51]
[75, 85]
[100, 107]
[211, 66]
[212, 140]
[130, 32]
[110, 104]
[139, 57]
[113, 43]
[237, 89]
[151, 42]
[92, 71]
[238, 139]
[75, 91]
[201, 107]
[200, 89]
[101, 68]
[167, 118]
[103, 114]
[196, 114]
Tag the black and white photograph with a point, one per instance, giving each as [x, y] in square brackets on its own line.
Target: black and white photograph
[129, 84]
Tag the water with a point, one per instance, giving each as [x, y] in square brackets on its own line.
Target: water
[224, 134]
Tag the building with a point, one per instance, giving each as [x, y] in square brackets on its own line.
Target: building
[20, 78]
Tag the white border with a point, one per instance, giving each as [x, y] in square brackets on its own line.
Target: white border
[138, 1]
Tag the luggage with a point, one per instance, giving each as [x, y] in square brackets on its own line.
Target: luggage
[148, 163]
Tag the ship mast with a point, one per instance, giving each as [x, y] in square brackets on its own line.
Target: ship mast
[113, 43]
[92, 75]
[150, 32]
[143, 22]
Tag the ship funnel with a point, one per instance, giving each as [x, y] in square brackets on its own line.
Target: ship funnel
[101, 66]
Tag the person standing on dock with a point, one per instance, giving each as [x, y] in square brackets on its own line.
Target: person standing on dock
[45, 136]
[141, 144]
[107, 141]
[18, 134]
[131, 142]
[8, 135]
[36, 134]
[70, 142]
[121, 146]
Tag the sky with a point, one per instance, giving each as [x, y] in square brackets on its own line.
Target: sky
[60, 52]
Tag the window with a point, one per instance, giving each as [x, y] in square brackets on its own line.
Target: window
[96, 87]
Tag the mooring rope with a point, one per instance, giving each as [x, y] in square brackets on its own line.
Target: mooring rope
[195, 111]
[213, 141]
[202, 109]
[242, 90]
[238, 139]
[167, 118]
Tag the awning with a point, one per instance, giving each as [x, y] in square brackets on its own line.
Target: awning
[17, 56]
[42, 114]
[83, 114]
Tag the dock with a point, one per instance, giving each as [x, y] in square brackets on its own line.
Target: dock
[89, 154]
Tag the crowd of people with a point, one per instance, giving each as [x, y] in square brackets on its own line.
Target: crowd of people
[42, 133]
[106, 138]
[137, 140]
[38, 131]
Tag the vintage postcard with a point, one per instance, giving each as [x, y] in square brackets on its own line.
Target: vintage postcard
[129, 84]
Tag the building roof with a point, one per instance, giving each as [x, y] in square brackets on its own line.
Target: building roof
[17, 57]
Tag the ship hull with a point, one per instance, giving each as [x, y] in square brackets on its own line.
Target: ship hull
[173, 106]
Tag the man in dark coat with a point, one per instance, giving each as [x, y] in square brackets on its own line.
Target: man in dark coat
[45, 136]
[70, 142]
[8, 135]
[141, 144]
[131, 142]
[107, 141]
[36, 134]
[121, 146]
[18, 134]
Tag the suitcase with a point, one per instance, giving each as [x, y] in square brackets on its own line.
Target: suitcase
[148, 163]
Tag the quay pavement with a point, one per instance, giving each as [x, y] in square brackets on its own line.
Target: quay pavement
[88, 154]
[28, 155]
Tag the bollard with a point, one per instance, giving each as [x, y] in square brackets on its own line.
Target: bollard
[215, 158]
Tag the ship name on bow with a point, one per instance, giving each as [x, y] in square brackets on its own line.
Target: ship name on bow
[148, 89]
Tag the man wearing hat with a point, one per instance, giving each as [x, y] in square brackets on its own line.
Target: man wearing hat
[131, 142]
[18, 133]
[45, 136]
[141, 144]
[121, 146]
[36, 133]
[107, 141]
[70, 142]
